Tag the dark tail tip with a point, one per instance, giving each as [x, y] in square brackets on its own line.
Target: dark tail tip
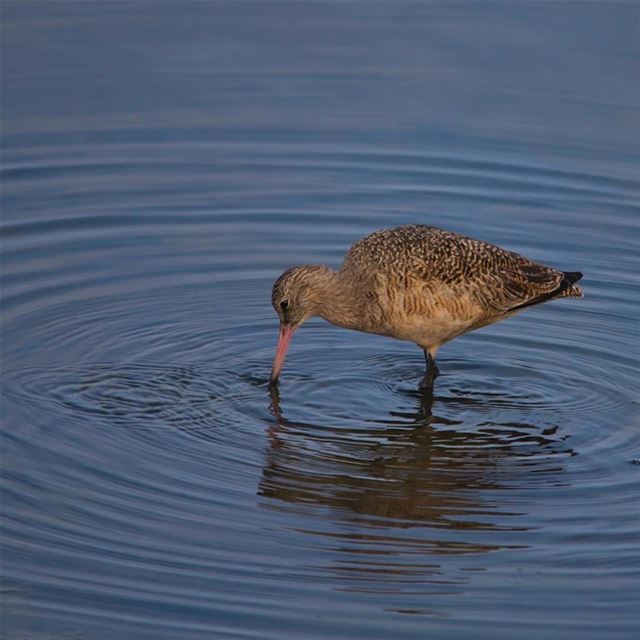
[571, 277]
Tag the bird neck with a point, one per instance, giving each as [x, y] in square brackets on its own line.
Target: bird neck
[338, 300]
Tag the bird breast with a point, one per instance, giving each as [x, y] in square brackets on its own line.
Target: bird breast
[420, 313]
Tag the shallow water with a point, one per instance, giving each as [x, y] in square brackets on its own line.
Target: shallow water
[162, 164]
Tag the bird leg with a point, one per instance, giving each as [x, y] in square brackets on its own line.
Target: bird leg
[431, 372]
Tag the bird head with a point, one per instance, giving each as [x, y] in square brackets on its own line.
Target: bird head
[296, 296]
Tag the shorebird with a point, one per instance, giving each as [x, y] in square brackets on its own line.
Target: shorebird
[416, 283]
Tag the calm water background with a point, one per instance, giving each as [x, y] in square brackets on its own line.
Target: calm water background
[162, 163]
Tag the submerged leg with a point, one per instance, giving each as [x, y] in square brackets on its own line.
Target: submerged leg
[432, 369]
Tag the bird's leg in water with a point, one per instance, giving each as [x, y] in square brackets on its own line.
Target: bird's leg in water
[431, 372]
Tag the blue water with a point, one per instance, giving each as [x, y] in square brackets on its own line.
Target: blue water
[162, 163]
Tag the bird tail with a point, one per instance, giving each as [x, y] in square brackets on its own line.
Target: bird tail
[568, 288]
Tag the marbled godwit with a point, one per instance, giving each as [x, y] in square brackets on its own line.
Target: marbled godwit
[416, 283]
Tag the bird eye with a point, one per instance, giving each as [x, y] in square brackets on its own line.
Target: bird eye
[284, 305]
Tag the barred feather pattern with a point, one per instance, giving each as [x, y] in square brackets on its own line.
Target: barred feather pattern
[421, 283]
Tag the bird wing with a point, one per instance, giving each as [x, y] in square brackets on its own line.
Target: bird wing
[454, 265]
[501, 280]
[520, 285]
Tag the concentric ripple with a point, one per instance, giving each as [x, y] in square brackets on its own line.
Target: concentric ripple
[154, 487]
[138, 354]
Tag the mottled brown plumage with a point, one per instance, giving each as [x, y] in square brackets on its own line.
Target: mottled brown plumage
[416, 283]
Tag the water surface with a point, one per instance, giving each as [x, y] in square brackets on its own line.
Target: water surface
[162, 164]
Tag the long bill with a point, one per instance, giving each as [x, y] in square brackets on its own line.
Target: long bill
[284, 338]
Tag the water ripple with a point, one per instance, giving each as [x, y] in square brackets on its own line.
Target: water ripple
[146, 463]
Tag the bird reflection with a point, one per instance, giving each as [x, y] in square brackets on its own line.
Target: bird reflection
[414, 469]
